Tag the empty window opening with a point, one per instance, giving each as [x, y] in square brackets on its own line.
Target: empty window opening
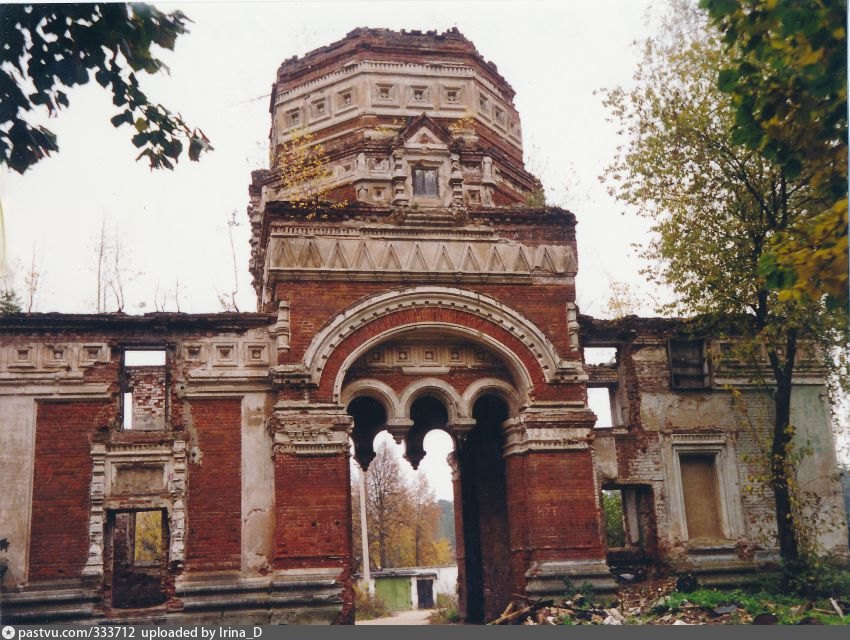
[631, 532]
[701, 496]
[600, 355]
[688, 365]
[425, 182]
[599, 400]
[144, 396]
[615, 527]
[139, 558]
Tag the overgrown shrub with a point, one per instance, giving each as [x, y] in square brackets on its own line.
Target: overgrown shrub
[369, 607]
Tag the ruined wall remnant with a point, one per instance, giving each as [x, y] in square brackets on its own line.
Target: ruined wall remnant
[214, 483]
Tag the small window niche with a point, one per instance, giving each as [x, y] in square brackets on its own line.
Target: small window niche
[145, 390]
[689, 367]
[425, 183]
[615, 524]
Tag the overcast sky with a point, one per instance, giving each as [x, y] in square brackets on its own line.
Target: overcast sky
[172, 225]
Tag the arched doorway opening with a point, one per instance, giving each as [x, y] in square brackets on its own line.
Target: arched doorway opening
[487, 559]
[424, 381]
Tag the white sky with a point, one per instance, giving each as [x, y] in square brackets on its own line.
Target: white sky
[173, 224]
[555, 54]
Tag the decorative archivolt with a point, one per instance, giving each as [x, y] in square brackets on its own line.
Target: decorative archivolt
[468, 302]
[412, 255]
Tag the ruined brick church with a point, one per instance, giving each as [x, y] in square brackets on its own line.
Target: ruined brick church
[180, 467]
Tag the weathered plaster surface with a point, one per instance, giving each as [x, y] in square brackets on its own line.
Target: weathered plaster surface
[258, 520]
[17, 446]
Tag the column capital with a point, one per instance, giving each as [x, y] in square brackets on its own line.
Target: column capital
[310, 429]
[549, 427]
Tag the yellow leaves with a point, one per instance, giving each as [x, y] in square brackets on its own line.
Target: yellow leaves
[817, 252]
[305, 172]
[811, 57]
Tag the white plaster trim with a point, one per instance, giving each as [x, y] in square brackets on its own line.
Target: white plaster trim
[514, 364]
[432, 386]
[326, 340]
[377, 390]
[503, 389]
[725, 468]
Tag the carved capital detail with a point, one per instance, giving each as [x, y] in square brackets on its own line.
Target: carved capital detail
[556, 427]
[310, 429]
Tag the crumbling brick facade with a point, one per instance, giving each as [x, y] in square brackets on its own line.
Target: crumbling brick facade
[435, 297]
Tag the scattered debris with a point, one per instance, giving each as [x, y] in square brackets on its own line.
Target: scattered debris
[658, 601]
[515, 614]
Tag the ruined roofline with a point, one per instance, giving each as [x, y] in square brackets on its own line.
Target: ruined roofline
[357, 44]
[702, 325]
[159, 321]
[355, 210]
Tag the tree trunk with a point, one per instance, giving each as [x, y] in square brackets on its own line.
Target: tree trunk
[782, 473]
[780, 470]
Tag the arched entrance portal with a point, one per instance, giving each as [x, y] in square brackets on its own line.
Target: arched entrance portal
[419, 383]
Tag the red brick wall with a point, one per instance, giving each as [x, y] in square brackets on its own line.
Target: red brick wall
[313, 508]
[59, 538]
[214, 519]
[516, 498]
[563, 520]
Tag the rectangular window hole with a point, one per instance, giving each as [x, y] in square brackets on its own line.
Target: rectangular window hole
[612, 507]
[599, 401]
[128, 411]
[144, 358]
[425, 182]
[600, 355]
[145, 393]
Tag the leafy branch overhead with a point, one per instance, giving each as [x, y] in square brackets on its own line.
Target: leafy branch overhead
[786, 75]
[49, 48]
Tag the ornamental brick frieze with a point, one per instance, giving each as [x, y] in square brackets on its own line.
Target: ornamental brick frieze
[398, 257]
[522, 346]
[310, 429]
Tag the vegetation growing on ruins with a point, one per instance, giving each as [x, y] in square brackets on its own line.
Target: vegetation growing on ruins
[723, 201]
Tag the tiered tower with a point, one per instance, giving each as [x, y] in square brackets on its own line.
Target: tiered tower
[418, 287]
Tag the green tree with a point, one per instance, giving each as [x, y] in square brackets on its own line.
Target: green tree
[9, 302]
[48, 48]
[786, 74]
[716, 206]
